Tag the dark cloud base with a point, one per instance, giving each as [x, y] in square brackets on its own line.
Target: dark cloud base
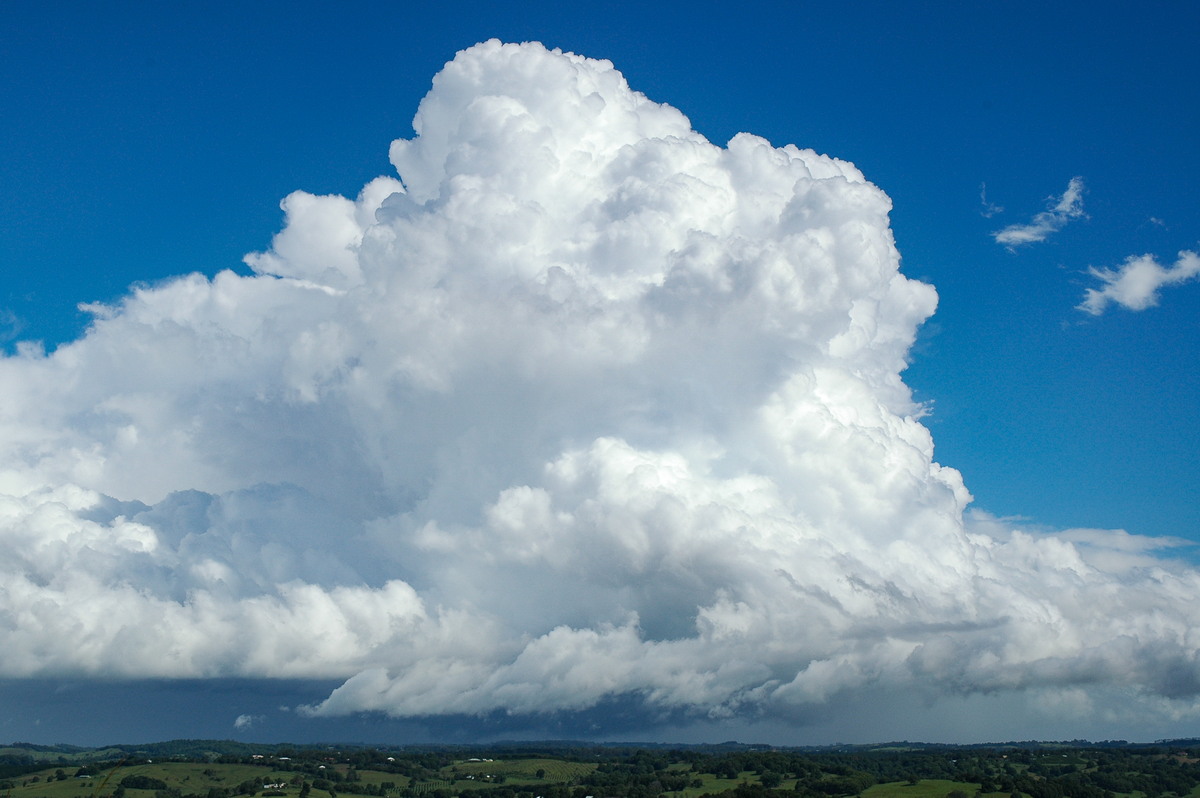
[48, 711]
[89, 712]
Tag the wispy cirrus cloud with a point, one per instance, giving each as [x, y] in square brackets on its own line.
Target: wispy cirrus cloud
[1136, 284]
[1063, 209]
[990, 209]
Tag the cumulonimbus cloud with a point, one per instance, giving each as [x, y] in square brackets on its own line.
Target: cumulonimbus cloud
[1062, 210]
[578, 406]
[1136, 284]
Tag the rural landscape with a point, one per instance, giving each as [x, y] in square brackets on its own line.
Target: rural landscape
[224, 769]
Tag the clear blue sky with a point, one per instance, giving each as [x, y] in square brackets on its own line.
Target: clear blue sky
[143, 141]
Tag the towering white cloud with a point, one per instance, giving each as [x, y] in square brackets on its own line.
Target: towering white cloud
[580, 406]
[1136, 284]
[1062, 210]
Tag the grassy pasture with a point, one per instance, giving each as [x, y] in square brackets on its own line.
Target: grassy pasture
[375, 777]
[198, 778]
[710, 784]
[925, 788]
[185, 776]
[557, 771]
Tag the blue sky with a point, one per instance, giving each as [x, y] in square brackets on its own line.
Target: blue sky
[145, 142]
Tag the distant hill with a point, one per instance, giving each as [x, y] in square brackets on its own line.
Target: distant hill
[23, 754]
[212, 749]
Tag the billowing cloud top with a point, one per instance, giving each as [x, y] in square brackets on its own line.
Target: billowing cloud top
[580, 407]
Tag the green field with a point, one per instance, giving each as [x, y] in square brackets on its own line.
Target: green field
[711, 785]
[330, 772]
[926, 788]
[555, 770]
[188, 778]
[199, 778]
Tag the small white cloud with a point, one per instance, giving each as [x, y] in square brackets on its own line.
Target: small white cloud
[1065, 208]
[1136, 284]
[244, 722]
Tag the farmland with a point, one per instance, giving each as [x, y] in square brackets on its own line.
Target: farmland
[218, 770]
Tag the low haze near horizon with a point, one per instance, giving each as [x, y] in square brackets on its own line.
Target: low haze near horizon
[794, 376]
